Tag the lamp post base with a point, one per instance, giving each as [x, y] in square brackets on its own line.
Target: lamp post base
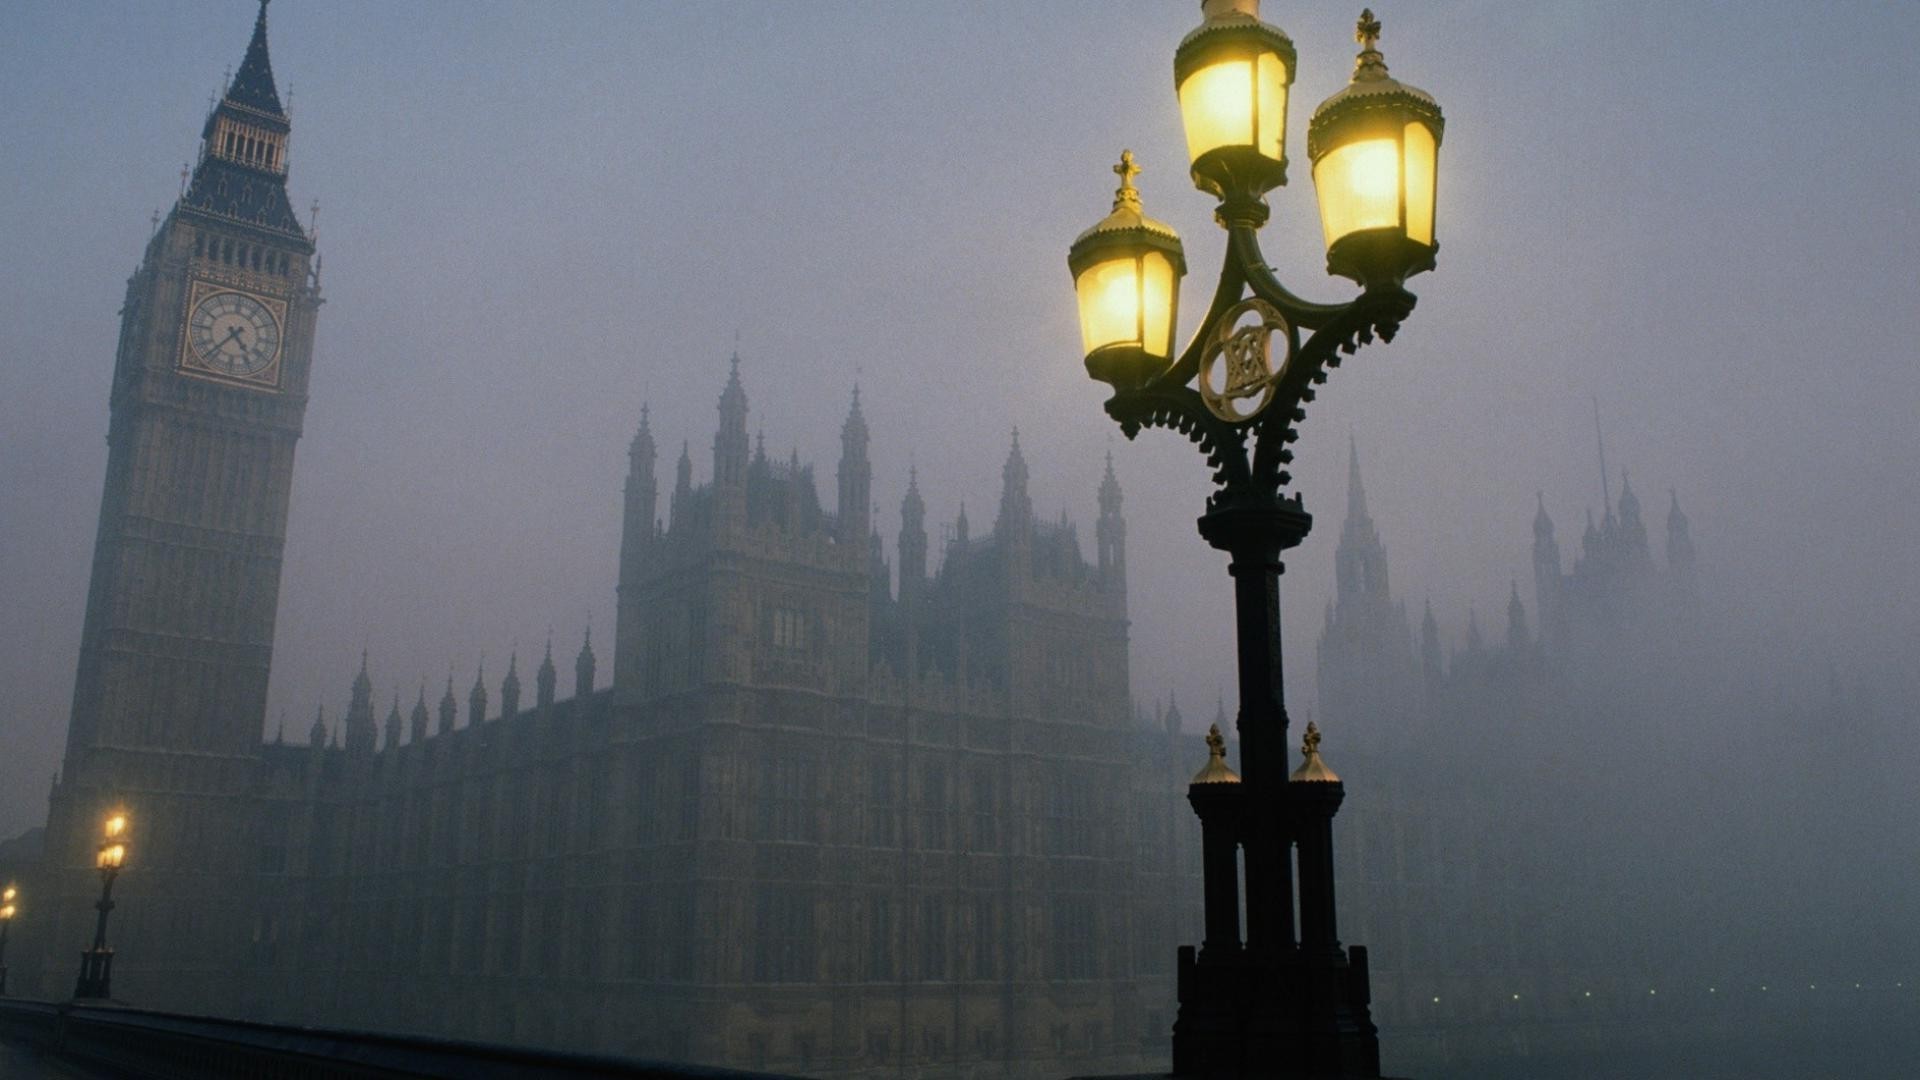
[96, 975]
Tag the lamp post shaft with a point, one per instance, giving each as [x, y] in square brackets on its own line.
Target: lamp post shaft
[1263, 749]
[96, 964]
[4, 924]
[104, 905]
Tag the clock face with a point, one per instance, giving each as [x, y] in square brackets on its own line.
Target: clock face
[233, 334]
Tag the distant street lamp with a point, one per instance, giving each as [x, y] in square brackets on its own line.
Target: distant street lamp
[7, 909]
[96, 964]
[1277, 1003]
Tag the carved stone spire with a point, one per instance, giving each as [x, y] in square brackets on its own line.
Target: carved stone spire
[417, 722]
[1110, 531]
[855, 475]
[360, 734]
[510, 688]
[913, 538]
[1016, 509]
[449, 709]
[583, 667]
[477, 697]
[544, 679]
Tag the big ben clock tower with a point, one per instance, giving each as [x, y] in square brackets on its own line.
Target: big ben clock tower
[209, 390]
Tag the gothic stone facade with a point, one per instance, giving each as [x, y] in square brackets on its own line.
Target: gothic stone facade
[817, 822]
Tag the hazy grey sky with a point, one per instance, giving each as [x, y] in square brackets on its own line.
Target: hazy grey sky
[537, 217]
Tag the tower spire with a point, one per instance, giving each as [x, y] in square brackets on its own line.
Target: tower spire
[252, 85]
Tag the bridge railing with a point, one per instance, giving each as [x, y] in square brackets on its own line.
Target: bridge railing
[143, 1045]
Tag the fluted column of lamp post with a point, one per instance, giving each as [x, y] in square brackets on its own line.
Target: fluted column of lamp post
[96, 964]
[7, 909]
[1264, 1006]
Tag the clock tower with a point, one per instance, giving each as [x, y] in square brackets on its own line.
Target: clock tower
[209, 390]
[209, 387]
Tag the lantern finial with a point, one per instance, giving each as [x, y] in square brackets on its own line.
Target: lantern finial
[1369, 65]
[1126, 195]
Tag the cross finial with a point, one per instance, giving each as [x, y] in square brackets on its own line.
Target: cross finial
[1310, 744]
[1367, 30]
[1126, 194]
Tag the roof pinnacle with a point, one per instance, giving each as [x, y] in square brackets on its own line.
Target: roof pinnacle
[1216, 770]
[1312, 769]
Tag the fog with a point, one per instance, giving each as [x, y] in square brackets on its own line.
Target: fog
[1696, 221]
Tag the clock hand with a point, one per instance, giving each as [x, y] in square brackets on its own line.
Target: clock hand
[233, 334]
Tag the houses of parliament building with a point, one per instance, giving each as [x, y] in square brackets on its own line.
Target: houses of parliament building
[832, 815]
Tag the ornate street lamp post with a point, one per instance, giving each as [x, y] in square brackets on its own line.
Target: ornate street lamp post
[1279, 1002]
[96, 964]
[7, 909]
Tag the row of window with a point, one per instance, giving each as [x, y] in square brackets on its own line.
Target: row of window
[225, 250]
[244, 144]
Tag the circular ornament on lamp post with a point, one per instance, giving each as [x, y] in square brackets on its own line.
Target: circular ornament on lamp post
[1126, 272]
[1375, 148]
[1237, 370]
[1232, 73]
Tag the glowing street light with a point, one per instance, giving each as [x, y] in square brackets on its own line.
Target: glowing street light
[7, 909]
[96, 964]
[1238, 390]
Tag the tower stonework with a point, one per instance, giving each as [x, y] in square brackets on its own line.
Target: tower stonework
[208, 394]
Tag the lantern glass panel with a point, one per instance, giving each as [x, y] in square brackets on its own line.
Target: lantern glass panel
[1359, 187]
[1159, 290]
[1272, 114]
[1421, 153]
[1110, 303]
[1236, 101]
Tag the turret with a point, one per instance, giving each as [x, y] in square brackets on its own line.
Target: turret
[960, 531]
[360, 727]
[1016, 509]
[449, 709]
[1360, 559]
[1546, 565]
[913, 541]
[583, 667]
[477, 698]
[1110, 533]
[730, 450]
[1517, 635]
[510, 689]
[544, 679]
[417, 723]
[855, 508]
[642, 498]
[317, 735]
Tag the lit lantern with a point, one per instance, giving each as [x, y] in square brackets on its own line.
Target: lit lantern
[1375, 149]
[1232, 74]
[1127, 271]
[113, 851]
